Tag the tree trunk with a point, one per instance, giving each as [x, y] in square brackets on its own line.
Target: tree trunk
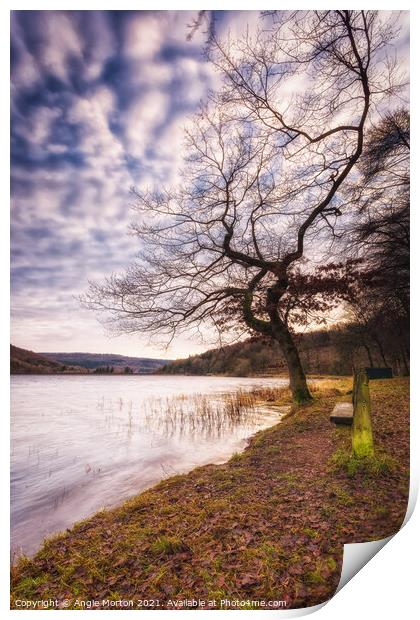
[276, 329]
[381, 349]
[280, 332]
[405, 362]
[369, 354]
[297, 377]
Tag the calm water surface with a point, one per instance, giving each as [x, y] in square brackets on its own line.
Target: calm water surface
[83, 443]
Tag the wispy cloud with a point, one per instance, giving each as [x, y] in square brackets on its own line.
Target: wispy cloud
[99, 100]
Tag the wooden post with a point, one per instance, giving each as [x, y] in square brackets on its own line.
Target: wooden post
[362, 437]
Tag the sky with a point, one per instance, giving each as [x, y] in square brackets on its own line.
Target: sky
[99, 100]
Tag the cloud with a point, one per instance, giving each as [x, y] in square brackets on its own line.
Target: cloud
[143, 119]
[38, 126]
[25, 67]
[99, 103]
[60, 41]
[143, 37]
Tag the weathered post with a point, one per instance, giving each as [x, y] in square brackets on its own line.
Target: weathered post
[362, 437]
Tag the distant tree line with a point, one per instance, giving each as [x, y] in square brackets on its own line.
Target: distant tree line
[337, 351]
[106, 370]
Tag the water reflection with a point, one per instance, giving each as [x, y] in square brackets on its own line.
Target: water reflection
[82, 443]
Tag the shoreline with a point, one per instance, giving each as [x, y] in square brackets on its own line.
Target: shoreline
[242, 445]
[268, 523]
[310, 377]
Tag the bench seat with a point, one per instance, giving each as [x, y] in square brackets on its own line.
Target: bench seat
[342, 414]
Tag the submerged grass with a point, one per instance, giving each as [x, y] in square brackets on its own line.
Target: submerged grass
[209, 415]
[268, 525]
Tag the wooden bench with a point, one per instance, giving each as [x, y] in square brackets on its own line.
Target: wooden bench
[342, 414]
[357, 415]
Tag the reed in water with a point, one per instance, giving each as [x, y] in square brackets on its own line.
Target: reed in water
[210, 415]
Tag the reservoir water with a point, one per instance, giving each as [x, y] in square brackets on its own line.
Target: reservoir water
[81, 443]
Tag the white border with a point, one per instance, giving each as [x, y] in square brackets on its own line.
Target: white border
[387, 586]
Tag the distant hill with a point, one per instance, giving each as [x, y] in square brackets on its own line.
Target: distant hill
[322, 352]
[27, 362]
[93, 361]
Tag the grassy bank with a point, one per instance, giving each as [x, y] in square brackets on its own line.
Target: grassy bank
[268, 525]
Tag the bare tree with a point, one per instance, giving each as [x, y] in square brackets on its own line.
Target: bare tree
[267, 158]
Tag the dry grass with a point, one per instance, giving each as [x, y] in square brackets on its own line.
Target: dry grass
[268, 525]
